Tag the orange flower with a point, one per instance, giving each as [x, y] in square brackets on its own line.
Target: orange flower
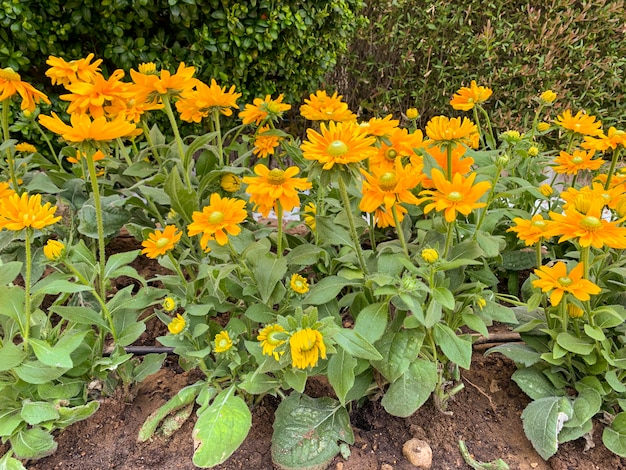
[380, 127]
[98, 155]
[440, 155]
[306, 346]
[321, 107]
[458, 195]
[466, 98]
[443, 130]
[5, 190]
[530, 231]
[557, 280]
[261, 110]
[221, 216]
[589, 227]
[11, 83]
[147, 85]
[384, 217]
[197, 103]
[571, 164]
[18, 212]
[396, 145]
[581, 198]
[388, 188]
[84, 129]
[581, 123]
[271, 186]
[160, 242]
[266, 142]
[65, 73]
[92, 97]
[613, 138]
[339, 143]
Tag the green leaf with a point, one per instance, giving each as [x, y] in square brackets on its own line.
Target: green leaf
[260, 313]
[35, 412]
[306, 431]
[586, 405]
[499, 313]
[614, 436]
[12, 301]
[36, 372]
[444, 297]
[304, 255]
[7, 462]
[433, 315]
[220, 429]
[327, 289]
[534, 384]
[150, 364]
[131, 333]
[9, 271]
[114, 216]
[574, 344]
[11, 356]
[118, 260]
[372, 321]
[594, 332]
[56, 283]
[51, 356]
[80, 315]
[33, 443]
[412, 389]
[457, 349]
[475, 323]
[258, 384]
[543, 420]
[331, 233]
[296, 379]
[340, 372]
[615, 383]
[520, 353]
[184, 201]
[10, 420]
[356, 345]
[268, 272]
[398, 350]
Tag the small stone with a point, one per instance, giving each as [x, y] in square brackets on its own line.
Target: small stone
[386, 466]
[534, 465]
[339, 466]
[418, 453]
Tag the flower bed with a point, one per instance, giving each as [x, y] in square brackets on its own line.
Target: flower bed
[411, 236]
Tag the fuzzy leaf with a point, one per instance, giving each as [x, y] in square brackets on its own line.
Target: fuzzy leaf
[411, 390]
[543, 420]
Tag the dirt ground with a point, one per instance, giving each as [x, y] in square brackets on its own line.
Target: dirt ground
[486, 415]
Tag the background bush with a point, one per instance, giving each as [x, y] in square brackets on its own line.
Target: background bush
[417, 53]
[261, 46]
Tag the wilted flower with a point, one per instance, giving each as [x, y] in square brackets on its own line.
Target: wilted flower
[307, 346]
[177, 325]
[83, 129]
[271, 337]
[11, 83]
[198, 102]
[63, 73]
[266, 142]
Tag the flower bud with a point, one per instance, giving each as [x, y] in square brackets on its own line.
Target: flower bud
[548, 97]
[430, 255]
[177, 325]
[533, 151]
[543, 126]
[230, 182]
[169, 304]
[574, 312]
[412, 113]
[546, 190]
[54, 249]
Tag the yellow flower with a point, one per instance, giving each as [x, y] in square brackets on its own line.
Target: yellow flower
[64, 73]
[222, 342]
[79, 155]
[263, 109]
[559, 281]
[83, 129]
[574, 312]
[460, 163]
[533, 151]
[271, 337]
[321, 107]
[571, 164]
[18, 212]
[466, 98]
[430, 255]
[310, 211]
[266, 142]
[581, 123]
[458, 195]
[543, 126]
[444, 130]
[221, 216]
[530, 231]
[547, 97]
[276, 185]
[25, 148]
[53, 249]
[307, 346]
[380, 127]
[148, 85]
[299, 284]
[5, 190]
[230, 182]
[169, 304]
[396, 145]
[11, 83]
[160, 242]
[481, 303]
[198, 103]
[613, 138]
[412, 113]
[177, 325]
[546, 190]
[340, 143]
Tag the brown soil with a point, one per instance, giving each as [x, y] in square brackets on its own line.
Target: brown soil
[486, 415]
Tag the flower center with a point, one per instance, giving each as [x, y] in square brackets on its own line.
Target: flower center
[216, 217]
[591, 223]
[388, 181]
[222, 343]
[565, 281]
[276, 176]
[577, 160]
[337, 148]
[161, 242]
[271, 338]
[10, 75]
[539, 224]
[455, 196]
[272, 107]
[391, 154]
[308, 343]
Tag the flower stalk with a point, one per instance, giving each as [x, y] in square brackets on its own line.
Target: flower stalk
[345, 199]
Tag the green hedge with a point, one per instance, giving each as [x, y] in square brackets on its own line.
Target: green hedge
[261, 46]
[418, 53]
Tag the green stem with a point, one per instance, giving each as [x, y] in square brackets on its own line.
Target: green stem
[492, 191]
[449, 239]
[155, 151]
[612, 168]
[279, 240]
[491, 140]
[7, 136]
[50, 147]
[27, 280]
[122, 149]
[535, 121]
[218, 130]
[345, 199]
[449, 161]
[177, 268]
[399, 230]
[477, 122]
[538, 254]
[91, 165]
[372, 232]
[185, 159]
[584, 259]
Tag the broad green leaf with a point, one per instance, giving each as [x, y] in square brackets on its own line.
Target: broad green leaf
[306, 431]
[444, 297]
[609, 316]
[520, 353]
[457, 349]
[411, 390]
[114, 216]
[304, 255]
[51, 356]
[9, 271]
[184, 201]
[372, 321]
[258, 384]
[616, 384]
[12, 301]
[131, 333]
[586, 405]
[11, 356]
[118, 260]
[340, 372]
[398, 350]
[594, 332]
[36, 372]
[296, 379]
[269, 271]
[543, 419]
[10, 420]
[574, 344]
[331, 233]
[327, 289]
[534, 383]
[499, 312]
[433, 315]
[572, 433]
[7, 462]
[356, 345]
[614, 436]
[150, 364]
[80, 315]
[220, 429]
[475, 323]
[35, 412]
[33, 443]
